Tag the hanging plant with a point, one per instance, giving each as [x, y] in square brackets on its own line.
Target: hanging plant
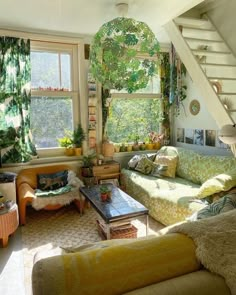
[114, 54]
[177, 86]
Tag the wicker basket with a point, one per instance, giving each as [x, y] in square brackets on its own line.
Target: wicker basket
[117, 233]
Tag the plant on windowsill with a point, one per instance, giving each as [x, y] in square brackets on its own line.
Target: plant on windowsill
[67, 143]
[78, 137]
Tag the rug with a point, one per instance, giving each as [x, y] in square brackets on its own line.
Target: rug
[64, 228]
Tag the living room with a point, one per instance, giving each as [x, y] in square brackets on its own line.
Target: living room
[62, 36]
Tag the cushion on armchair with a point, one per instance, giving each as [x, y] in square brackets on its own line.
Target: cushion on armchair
[52, 181]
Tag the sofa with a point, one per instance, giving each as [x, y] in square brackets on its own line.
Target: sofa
[165, 264]
[27, 183]
[193, 181]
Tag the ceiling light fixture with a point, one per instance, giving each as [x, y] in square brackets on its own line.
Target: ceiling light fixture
[122, 53]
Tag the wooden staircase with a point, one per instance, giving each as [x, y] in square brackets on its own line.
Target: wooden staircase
[210, 63]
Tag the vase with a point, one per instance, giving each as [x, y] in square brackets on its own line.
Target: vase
[157, 145]
[108, 149]
[150, 146]
[78, 151]
[69, 151]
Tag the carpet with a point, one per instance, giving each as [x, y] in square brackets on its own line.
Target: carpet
[64, 228]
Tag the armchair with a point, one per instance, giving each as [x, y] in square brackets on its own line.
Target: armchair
[26, 184]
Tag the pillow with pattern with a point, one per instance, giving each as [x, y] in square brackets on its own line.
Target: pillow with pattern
[170, 162]
[144, 166]
[52, 181]
[135, 159]
[159, 170]
[226, 203]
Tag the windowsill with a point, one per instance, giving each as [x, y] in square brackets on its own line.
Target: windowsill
[14, 167]
[41, 161]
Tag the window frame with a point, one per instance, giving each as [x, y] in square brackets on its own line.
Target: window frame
[72, 50]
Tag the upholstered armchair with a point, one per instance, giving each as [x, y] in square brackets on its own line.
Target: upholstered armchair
[27, 183]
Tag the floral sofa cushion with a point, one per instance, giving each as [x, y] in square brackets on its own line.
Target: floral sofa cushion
[188, 161]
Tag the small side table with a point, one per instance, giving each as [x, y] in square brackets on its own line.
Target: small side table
[9, 222]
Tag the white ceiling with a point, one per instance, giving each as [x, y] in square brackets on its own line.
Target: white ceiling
[84, 17]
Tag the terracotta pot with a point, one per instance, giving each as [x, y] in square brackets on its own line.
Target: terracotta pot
[103, 197]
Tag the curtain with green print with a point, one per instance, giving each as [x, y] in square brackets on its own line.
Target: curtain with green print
[15, 75]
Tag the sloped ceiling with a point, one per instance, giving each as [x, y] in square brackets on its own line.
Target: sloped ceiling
[84, 17]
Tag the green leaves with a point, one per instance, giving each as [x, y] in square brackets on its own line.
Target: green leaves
[113, 54]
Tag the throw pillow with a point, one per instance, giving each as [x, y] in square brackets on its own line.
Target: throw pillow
[159, 170]
[228, 202]
[135, 159]
[52, 181]
[170, 162]
[218, 183]
[144, 166]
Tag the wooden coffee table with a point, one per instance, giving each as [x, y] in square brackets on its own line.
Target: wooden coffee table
[121, 208]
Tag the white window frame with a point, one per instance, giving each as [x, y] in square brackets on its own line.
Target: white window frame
[72, 50]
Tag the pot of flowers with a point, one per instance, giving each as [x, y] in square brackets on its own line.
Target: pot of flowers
[78, 137]
[67, 143]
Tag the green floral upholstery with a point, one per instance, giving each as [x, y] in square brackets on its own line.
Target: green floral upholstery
[168, 199]
[213, 165]
[172, 200]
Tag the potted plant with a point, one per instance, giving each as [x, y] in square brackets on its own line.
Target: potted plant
[105, 193]
[88, 163]
[67, 143]
[78, 137]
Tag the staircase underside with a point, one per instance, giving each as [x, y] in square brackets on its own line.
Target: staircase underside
[209, 62]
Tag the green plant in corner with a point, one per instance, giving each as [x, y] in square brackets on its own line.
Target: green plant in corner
[78, 136]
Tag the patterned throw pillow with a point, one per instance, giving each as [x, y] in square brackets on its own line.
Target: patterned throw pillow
[228, 202]
[170, 162]
[159, 170]
[221, 182]
[135, 159]
[52, 181]
[144, 166]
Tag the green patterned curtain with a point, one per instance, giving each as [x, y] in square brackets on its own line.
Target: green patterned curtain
[15, 96]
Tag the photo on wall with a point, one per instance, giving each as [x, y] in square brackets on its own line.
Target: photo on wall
[219, 143]
[189, 136]
[180, 134]
[210, 137]
[198, 137]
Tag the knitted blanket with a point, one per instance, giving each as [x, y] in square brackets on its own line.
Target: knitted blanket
[215, 238]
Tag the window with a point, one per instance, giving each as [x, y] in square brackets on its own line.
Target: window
[54, 98]
[133, 116]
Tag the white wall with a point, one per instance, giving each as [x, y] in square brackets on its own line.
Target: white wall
[203, 120]
[223, 16]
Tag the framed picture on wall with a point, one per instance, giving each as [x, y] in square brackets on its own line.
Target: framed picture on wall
[210, 137]
[189, 136]
[198, 137]
[180, 135]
